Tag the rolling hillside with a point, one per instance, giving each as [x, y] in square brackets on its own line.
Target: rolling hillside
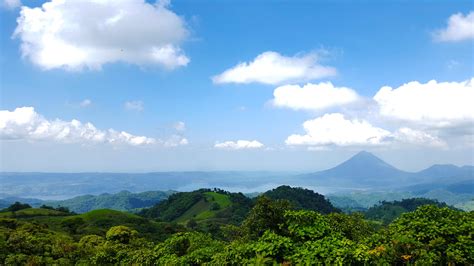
[94, 222]
[201, 205]
[122, 201]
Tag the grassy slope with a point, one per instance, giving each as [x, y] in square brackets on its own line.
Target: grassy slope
[202, 209]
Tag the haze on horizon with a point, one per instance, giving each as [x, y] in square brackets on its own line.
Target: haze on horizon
[143, 86]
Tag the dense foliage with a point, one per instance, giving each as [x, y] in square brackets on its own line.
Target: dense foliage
[201, 205]
[273, 232]
[302, 198]
[388, 211]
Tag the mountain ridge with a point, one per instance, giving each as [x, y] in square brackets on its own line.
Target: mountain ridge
[366, 169]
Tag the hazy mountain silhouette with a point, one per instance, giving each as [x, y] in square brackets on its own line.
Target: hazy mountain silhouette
[366, 169]
[446, 171]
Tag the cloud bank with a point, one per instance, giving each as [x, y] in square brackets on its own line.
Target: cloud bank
[239, 145]
[336, 130]
[26, 124]
[74, 35]
[439, 104]
[273, 68]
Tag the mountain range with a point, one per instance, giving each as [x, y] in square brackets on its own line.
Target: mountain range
[362, 171]
[367, 170]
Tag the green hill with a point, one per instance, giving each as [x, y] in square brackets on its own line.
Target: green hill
[386, 211]
[32, 213]
[122, 201]
[95, 222]
[201, 205]
[302, 199]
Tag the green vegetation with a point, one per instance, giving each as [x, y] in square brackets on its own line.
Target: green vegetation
[360, 201]
[386, 211]
[122, 201]
[272, 232]
[302, 199]
[202, 205]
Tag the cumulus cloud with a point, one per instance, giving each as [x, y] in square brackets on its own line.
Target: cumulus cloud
[439, 104]
[24, 123]
[134, 106]
[75, 34]
[460, 27]
[412, 136]
[239, 145]
[313, 96]
[274, 68]
[11, 4]
[335, 130]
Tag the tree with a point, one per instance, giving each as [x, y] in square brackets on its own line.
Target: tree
[121, 234]
[265, 215]
[429, 235]
[73, 224]
[17, 206]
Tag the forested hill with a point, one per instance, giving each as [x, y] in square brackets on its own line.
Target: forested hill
[222, 206]
[388, 211]
[201, 205]
[123, 201]
[302, 198]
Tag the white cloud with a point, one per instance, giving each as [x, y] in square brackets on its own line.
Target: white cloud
[313, 96]
[412, 136]
[11, 4]
[335, 130]
[273, 68]
[239, 145]
[440, 104]
[134, 106]
[85, 103]
[25, 123]
[175, 140]
[75, 34]
[459, 28]
[179, 126]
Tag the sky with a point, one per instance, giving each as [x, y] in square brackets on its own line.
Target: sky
[139, 86]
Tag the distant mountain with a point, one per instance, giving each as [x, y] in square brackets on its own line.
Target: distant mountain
[122, 201]
[7, 201]
[58, 186]
[363, 169]
[447, 172]
[367, 170]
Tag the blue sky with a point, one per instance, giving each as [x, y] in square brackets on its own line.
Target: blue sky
[367, 43]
